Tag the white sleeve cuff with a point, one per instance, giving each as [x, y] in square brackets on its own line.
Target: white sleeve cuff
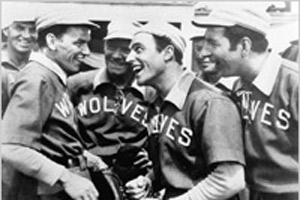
[225, 181]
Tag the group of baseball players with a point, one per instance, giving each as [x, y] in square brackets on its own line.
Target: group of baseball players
[158, 129]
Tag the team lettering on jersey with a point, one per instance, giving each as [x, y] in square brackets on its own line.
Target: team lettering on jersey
[171, 128]
[127, 107]
[251, 107]
[64, 106]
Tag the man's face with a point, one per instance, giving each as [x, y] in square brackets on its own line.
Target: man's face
[21, 36]
[148, 64]
[204, 66]
[116, 51]
[72, 48]
[217, 50]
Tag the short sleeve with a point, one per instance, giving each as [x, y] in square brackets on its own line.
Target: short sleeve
[222, 132]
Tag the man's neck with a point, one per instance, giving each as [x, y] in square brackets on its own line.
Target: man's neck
[17, 58]
[254, 66]
[168, 80]
[121, 81]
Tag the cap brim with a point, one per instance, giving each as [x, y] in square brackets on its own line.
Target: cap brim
[118, 36]
[75, 23]
[209, 21]
[84, 23]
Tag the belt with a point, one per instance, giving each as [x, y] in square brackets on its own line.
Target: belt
[171, 192]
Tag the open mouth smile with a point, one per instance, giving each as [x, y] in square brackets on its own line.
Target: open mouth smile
[137, 68]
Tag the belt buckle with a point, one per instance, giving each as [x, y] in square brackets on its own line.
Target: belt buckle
[71, 163]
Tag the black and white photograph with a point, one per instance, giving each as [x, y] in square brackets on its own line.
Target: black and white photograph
[149, 100]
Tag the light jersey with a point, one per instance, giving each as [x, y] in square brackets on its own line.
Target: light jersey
[272, 126]
[8, 76]
[41, 110]
[112, 117]
[39, 116]
[196, 127]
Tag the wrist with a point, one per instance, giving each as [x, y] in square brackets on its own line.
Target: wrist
[64, 177]
[148, 184]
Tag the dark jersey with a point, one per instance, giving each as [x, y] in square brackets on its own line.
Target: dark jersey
[270, 107]
[113, 121]
[196, 128]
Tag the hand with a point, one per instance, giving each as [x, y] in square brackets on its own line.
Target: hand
[142, 160]
[94, 162]
[77, 187]
[138, 188]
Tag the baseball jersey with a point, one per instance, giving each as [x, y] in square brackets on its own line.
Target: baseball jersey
[8, 74]
[111, 117]
[270, 108]
[196, 127]
[40, 116]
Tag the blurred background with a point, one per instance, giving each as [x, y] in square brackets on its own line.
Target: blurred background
[285, 18]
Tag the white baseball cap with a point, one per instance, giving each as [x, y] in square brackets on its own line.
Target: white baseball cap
[122, 29]
[9, 15]
[165, 29]
[255, 19]
[53, 17]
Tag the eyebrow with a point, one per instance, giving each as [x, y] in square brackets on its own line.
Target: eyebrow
[82, 40]
[133, 45]
[210, 40]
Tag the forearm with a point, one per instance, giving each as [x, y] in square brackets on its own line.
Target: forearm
[226, 180]
[31, 163]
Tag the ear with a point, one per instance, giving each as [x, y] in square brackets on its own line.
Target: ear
[169, 52]
[246, 45]
[51, 41]
[5, 31]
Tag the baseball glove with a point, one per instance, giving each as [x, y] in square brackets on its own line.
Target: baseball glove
[108, 184]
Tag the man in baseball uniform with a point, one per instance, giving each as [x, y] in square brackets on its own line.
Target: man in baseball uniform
[112, 108]
[42, 152]
[20, 33]
[198, 131]
[268, 92]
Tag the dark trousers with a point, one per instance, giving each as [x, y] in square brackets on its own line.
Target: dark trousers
[255, 195]
[58, 196]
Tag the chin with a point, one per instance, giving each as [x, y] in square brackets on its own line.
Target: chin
[141, 81]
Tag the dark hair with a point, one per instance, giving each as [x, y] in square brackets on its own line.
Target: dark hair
[236, 33]
[57, 30]
[162, 42]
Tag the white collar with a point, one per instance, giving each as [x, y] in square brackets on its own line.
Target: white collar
[266, 78]
[102, 77]
[179, 91]
[50, 64]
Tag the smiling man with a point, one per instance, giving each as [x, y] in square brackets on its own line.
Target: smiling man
[21, 37]
[43, 156]
[204, 67]
[112, 107]
[268, 87]
[199, 152]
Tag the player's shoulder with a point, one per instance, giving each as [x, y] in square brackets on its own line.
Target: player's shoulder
[35, 72]
[290, 66]
[205, 91]
[289, 72]
[81, 80]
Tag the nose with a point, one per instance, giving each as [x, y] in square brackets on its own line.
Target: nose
[204, 53]
[130, 57]
[85, 50]
[26, 33]
[118, 54]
